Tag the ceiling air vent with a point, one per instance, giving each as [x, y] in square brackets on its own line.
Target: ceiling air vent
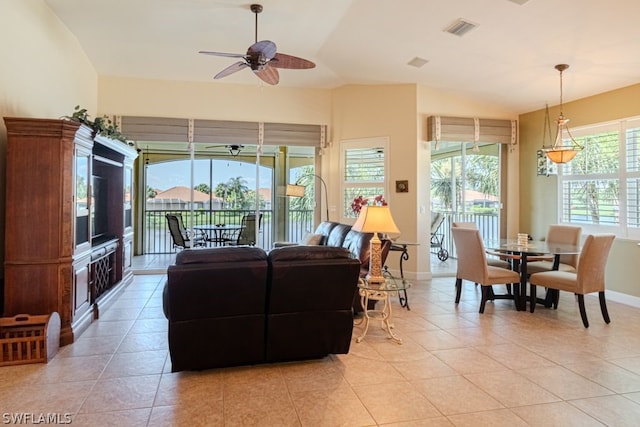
[460, 27]
[417, 62]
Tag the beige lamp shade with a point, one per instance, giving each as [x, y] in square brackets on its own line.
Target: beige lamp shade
[295, 190]
[375, 219]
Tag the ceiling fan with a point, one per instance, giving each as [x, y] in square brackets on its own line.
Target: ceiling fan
[233, 149]
[262, 57]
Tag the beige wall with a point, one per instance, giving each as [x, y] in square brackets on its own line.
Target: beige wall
[362, 111]
[213, 100]
[539, 204]
[44, 73]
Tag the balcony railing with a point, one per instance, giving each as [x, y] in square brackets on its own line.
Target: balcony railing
[488, 224]
[157, 238]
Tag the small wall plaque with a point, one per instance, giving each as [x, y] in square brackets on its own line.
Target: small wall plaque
[402, 186]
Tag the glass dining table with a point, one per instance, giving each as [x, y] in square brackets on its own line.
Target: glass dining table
[522, 254]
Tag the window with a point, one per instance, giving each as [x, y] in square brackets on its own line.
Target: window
[600, 188]
[364, 165]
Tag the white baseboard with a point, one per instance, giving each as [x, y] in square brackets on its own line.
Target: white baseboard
[622, 298]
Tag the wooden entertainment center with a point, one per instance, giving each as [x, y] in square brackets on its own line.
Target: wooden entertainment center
[69, 221]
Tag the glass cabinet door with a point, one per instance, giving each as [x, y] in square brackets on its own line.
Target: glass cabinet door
[128, 194]
[82, 200]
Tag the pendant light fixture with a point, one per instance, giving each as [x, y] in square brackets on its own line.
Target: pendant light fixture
[564, 147]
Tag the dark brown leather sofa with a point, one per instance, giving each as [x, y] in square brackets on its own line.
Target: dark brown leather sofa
[239, 306]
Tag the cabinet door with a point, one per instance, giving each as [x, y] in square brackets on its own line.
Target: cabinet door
[81, 291]
[82, 182]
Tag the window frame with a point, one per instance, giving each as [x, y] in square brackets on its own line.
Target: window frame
[622, 175]
[361, 143]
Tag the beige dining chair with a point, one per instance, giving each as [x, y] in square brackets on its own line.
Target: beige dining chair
[503, 260]
[588, 278]
[472, 266]
[562, 234]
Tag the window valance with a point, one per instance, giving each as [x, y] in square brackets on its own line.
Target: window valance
[465, 129]
[221, 131]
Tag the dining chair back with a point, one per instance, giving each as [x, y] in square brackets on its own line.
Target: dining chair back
[472, 266]
[589, 277]
[561, 234]
[502, 260]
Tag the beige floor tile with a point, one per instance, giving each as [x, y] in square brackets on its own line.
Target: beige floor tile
[428, 366]
[436, 340]
[144, 342]
[203, 412]
[106, 328]
[310, 375]
[395, 402]
[560, 414]
[629, 363]
[116, 394]
[139, 363]
[369, 372]
[80, 368]
[118, 372]
[456, 395]
[564, 383]
[142, 326]
[130, 418]
[511, 388]
[514, 356]
[339, 406]
[468, 360]
[184, 387]
[260, 407]
[495, 418]
[611, 410]
[60, 398]
[608, 375]
[91, 346]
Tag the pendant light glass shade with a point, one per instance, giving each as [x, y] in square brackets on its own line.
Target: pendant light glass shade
[564, 147]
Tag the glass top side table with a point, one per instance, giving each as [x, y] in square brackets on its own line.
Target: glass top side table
[380, 292]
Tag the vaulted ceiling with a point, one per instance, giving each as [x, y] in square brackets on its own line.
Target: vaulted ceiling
[507, 59]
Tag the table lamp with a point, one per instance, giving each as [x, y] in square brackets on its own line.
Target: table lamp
[375, 219]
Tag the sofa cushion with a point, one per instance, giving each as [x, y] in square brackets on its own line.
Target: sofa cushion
[325, 227]
[311, 239]
[220, 255]
[337, 235]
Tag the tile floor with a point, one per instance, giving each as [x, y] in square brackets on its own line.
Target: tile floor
[455, 367]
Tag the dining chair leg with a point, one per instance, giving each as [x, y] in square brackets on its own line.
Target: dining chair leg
[486, 294]
[603, 307]
[533, 300]
[583, 312]
[458, 289]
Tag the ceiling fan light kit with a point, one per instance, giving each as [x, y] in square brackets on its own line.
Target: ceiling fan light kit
[563, 149]
[262, 58]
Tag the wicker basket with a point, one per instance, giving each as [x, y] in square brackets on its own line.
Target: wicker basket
[29, 339]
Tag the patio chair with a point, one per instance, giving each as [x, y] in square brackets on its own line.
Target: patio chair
[179, 234]
[247, 233]
[437, 236]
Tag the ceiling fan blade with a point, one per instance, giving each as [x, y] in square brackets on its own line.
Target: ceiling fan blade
[268, 75]
[233, 68]
[281, 60]
[266, 48]
[227, 55]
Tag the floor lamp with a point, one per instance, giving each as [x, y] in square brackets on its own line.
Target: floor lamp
[375, 219]
[297, 190]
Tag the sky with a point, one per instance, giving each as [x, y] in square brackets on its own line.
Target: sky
[162, 176]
